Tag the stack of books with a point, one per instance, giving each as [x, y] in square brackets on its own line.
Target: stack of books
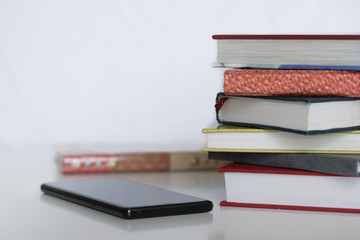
[289, 120]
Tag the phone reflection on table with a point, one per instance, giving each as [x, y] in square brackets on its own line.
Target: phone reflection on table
[189, 220]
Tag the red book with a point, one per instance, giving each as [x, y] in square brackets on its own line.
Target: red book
[135, 162]
[288, 36]
[298, 83]
[268, 187]
[275, 51]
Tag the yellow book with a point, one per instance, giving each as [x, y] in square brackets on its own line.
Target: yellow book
[241, 139]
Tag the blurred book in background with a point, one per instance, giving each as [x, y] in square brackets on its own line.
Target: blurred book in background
[110, 158]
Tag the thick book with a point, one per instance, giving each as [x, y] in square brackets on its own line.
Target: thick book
[267, 187]
[329, 50]
[294, 83]
[299, 115]
[340, 164]
[241, 139]
[136, 162]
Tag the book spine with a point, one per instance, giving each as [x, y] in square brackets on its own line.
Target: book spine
[324, 163]
[299, 83]
[137, 162]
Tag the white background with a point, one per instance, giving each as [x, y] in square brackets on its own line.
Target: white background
[131, 71]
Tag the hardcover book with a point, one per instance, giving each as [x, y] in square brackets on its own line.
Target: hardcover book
[79, 158]
[266, 187]
[295, 83]
[137, 162]
[307, 116]
[241, 139]
[287, 67]
[329, 50]
[340, 164]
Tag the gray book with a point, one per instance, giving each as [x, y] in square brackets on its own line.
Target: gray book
[340, 164]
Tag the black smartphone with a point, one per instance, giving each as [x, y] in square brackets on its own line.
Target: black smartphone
[126, 199]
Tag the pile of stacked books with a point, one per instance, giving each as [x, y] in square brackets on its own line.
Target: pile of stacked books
[289, 120]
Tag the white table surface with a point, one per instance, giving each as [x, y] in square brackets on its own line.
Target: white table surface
[26, 213]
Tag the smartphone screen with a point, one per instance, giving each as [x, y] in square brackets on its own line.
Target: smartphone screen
[126, 199]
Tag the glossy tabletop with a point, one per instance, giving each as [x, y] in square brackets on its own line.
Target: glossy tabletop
[26, 213]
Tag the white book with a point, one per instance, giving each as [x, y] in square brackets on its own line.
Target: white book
[268, 187]
[300, 115]
[240, 139]
[288, 49]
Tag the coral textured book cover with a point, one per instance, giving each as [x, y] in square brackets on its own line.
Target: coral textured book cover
[299, 83]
